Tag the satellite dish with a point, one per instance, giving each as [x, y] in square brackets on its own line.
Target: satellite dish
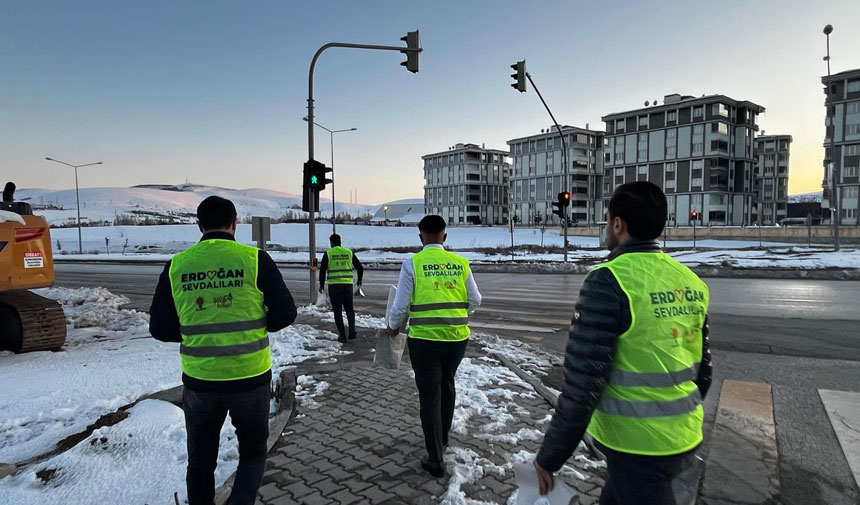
[655, 103]
[647, 103]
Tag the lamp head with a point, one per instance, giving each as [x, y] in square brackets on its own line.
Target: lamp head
[828, 29]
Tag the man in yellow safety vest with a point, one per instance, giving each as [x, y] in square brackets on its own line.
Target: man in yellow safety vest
[220, 299]
[637, 364]
[336, 267]
[435, 292]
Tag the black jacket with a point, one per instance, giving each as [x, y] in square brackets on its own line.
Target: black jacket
[602, 314]
[324, 268]
[280, 313]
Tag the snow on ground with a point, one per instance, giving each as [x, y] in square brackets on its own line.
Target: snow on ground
[179, 201]
[108, 362]
[158, 243]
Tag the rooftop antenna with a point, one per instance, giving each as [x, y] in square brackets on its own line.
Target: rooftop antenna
[647, 103]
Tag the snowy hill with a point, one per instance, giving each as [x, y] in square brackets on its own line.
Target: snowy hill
[176, 202]
[816, 196]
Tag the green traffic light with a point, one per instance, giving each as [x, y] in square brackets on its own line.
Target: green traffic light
[313, 179]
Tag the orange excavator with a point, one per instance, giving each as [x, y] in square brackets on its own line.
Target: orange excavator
[28, 322]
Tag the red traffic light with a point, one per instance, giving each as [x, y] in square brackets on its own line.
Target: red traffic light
[694, 214]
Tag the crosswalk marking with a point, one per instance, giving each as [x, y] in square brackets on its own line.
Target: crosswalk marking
[843, 409]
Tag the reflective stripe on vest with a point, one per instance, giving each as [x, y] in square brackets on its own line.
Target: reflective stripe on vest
[651, 404]
[440, 299]
[221, 313]
[339, 265]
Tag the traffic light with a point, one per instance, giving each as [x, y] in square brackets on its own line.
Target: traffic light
[313, 179]
[694, 215]
[560, 206]
[413, 47]
[519, 76]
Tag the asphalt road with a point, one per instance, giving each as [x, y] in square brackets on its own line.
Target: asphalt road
[797, 335]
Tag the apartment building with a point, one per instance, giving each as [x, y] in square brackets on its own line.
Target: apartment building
[771, 184]
[467, 184]
[842, 121]
[699, 150]
[537, 176]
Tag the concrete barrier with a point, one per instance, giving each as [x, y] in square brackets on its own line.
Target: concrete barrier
[790, 234]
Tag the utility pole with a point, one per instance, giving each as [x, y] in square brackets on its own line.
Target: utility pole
[413, 47]
[520, 69]
[77, 196]
[835, 214]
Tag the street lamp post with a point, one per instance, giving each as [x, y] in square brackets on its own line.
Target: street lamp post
[331, 139]
[77, 196]
[835, 214]
[385, 213]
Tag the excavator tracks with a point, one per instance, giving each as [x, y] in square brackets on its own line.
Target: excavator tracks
[29, 322]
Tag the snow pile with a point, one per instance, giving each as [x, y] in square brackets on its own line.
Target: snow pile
[309, 388]
[526, 356]
[6, 215]
[147, 447]
[109, 362]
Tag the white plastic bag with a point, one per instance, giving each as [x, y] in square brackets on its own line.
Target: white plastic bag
[389, 350]
[322, 300]
[528, 492]
[358, 291]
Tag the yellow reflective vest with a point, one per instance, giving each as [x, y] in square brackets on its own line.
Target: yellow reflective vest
[651, 405]
[339, 265]
[221, 313]
[440, 301]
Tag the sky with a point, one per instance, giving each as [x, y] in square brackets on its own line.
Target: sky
[214, 92]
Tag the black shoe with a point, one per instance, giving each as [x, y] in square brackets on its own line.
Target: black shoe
[352, 336]
[341, 339]
[433, 468]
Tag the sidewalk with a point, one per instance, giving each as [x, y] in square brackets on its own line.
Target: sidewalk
[357, 436]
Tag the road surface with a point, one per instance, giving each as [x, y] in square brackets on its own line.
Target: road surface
[797, 335]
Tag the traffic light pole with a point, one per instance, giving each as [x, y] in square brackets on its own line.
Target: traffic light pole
[563, 157]
[312, 250]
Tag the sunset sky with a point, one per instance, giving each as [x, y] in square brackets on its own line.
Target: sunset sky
[215, 91]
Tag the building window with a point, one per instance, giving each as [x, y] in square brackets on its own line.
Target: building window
[550, 143]
[852, 129]
[698, 148]
[852, 150]
[670, 167]
[854, 86]
[850, 192]
[720, 110]
[853, 108]
[698, 129]
[670, 183]
[697, 112]
[698, 164]
[850, 171]
[672, 115]
[719, 127]
[697, 182]
[849, 213]
[619, 125]
[643, 121]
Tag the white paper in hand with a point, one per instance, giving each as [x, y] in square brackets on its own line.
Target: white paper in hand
[528, 492]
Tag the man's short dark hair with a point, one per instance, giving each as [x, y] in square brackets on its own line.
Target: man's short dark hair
[642, 205]
[216, 213]
[432, 224]
[334, 239]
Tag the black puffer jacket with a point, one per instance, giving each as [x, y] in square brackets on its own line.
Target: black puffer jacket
[602, 315]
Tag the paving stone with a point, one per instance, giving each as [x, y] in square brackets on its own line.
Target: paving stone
[270, 491]
[404, 491]
[283, 500]
[376, 495]
[316, 499]
[327, 486]
[356, 485]
[345, 497]
[393, 469]
[338, 474]
[300, 490]
[433, 487]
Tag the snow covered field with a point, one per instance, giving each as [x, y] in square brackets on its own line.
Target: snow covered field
[487, 244]
[110, 361]
[179, 201]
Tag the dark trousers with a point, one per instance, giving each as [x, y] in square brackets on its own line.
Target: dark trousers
[341, 299]
[205, 413]
[641, 480]
[435, 364]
